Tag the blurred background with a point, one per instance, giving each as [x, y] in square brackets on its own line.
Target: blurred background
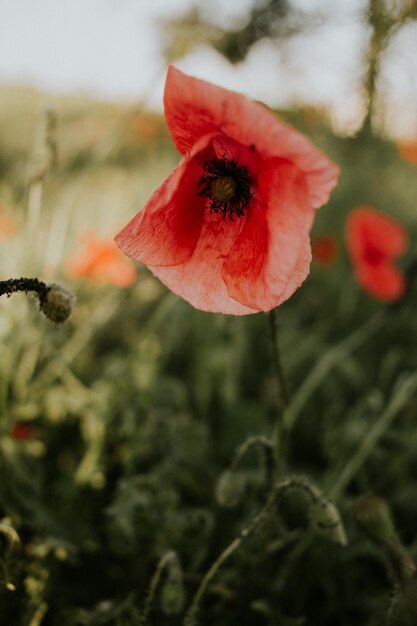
[323, 53]
[115, 427]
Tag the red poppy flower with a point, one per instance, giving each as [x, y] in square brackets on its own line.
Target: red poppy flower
[23, 432]
[325, 249]
[374, 241]
[100, 261]
[229, 228]
[408, 151]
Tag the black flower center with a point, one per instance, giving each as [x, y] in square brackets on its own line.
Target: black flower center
[227, 185]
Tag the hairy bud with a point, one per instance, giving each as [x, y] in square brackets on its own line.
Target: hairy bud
[172, 593]
[373, 517]
[325, 520]
[230, 489]
[57, 304]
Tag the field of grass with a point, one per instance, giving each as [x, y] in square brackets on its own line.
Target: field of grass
[116, 426]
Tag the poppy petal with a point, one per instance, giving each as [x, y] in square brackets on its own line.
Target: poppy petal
[385, 282]
[271, 257]
[194, 108]
[199, 280]
[167, 229]
[369, 227]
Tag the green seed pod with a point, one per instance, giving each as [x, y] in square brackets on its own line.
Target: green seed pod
[373, 517]
[230, 489]
[58, 303]
[325, 520]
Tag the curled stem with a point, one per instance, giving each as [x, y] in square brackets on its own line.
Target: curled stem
[323, 516]
[14, 285]
[249, 529]
[165, 562]
[266, 448]
[55, 302]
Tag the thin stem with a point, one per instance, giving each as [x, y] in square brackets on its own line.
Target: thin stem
[276, 356]
[280, 435]
[165, 561]
[249, 529]
[266, 448]
[332, 358]
[402, 395]
[13, 285]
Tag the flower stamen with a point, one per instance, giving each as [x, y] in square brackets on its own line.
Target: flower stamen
[227, 186]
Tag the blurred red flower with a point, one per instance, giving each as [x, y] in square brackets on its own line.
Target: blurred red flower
[100, 261]
[374, 241]
[229, 229]
[23, 432]
[325, 249]
[408, 151]
[7, 228]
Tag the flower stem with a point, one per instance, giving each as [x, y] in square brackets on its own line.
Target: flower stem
[164, 562]
[266, 448]
[404, 391]
[280, 436]
[249, 529]
[13, 285]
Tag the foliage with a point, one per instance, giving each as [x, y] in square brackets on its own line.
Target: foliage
[139, 402]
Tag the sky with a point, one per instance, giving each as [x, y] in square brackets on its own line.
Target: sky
[112, 49]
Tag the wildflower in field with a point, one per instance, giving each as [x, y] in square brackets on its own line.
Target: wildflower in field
[374, 242]
[100, 261]
[229, 229]
[23, 432]
[324, 249]
[408, 151]
[7, 228]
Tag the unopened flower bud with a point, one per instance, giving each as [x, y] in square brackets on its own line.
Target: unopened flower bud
[325, 520]
[57, 304]
[230, 489]
[373, 516]
[172, 594]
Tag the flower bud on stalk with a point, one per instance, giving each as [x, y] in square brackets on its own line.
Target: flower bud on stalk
[58, 303]
[373, 517]
[172, 593]
[325, 520]
[55, 302]
[230, 488]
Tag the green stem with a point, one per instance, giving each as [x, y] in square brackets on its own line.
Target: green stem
[164, 562]
[405, 389]
[249, 529]
[280, 435]
[266, 448]
[333, 357]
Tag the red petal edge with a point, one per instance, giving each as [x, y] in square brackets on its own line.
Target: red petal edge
[194, 108]
[167, 229]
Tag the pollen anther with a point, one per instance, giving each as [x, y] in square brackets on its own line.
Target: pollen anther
[227, 186]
